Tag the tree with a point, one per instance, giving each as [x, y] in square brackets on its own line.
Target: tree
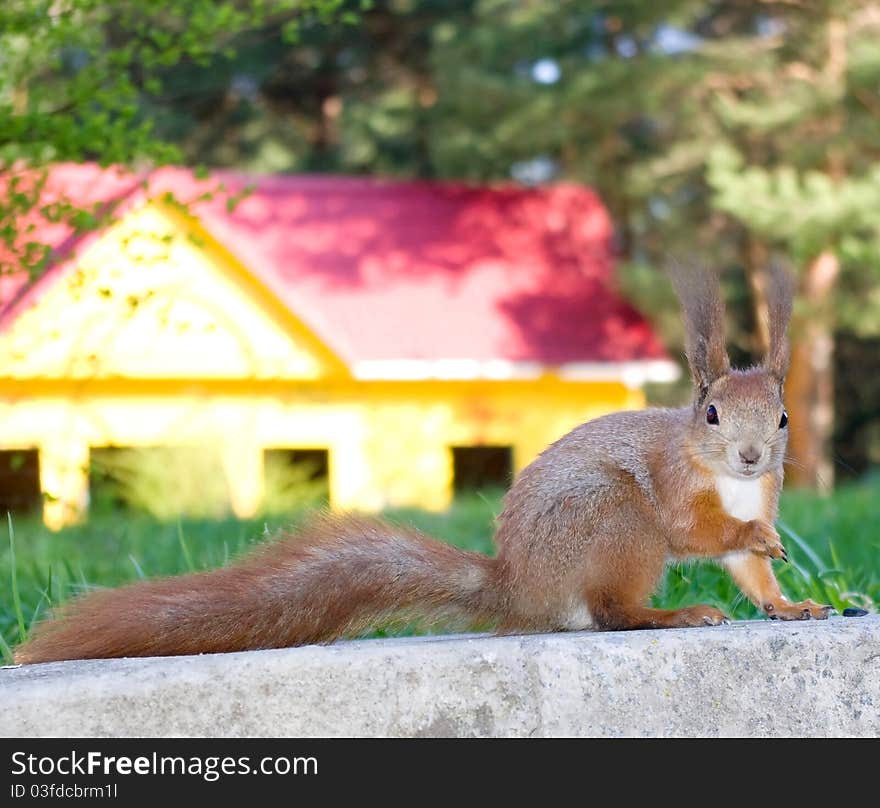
[799, 169]
[347, 98]
[76, 77]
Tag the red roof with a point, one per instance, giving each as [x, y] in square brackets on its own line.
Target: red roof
[386, 271]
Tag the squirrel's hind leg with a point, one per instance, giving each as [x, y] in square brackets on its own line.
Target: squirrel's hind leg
[622, 617]
[617, 599]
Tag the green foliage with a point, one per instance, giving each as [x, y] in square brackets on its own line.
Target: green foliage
[805, 210]
[75, 74]
[831, 543]
[78, 78]
[16, 596]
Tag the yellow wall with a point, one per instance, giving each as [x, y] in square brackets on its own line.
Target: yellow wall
[206, 356]
[389, 444]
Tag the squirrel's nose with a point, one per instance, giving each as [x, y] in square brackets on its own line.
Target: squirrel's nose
[750, 455]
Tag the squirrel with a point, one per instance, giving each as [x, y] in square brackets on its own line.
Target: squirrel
[583, 538]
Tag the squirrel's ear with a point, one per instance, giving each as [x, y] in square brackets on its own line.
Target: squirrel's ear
[699, 291]
[780, 294]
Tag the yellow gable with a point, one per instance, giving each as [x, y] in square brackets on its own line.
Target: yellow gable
[156, 297]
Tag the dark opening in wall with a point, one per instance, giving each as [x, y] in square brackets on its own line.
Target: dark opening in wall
[20, 481]
[296, 478]
[477, 467]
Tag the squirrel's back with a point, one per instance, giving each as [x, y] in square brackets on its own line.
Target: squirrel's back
[590, 459]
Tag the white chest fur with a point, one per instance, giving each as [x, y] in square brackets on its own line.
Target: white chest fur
[742, 499]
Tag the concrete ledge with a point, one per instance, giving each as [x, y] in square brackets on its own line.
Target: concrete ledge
[747, 679]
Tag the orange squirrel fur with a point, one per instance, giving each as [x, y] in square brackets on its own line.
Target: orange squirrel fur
[582, 540]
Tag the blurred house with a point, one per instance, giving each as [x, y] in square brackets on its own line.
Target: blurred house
[419, 337]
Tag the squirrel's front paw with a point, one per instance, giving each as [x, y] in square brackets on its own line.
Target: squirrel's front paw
[763, 540]
[805, 610]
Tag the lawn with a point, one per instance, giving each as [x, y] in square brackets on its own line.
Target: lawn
[832, 543]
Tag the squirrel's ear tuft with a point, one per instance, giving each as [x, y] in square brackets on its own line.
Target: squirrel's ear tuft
[699, 291]
[780, 294]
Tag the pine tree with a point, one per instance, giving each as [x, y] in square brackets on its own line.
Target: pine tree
[798, 168]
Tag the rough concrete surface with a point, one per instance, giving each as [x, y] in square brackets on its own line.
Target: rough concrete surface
[748, 679]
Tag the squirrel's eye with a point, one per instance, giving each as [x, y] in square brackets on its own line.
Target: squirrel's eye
[712, 415]
[783, 422]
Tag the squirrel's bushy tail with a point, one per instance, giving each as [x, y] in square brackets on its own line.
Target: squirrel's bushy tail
[335, 577]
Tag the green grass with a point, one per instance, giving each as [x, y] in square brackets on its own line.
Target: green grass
[832, 542]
